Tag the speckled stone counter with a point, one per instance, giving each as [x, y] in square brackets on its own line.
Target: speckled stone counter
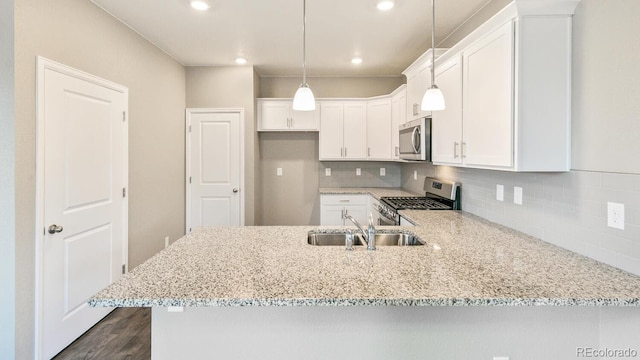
[375, 192]
[465, 261]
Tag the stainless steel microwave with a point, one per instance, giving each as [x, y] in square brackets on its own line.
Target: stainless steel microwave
[415, 140]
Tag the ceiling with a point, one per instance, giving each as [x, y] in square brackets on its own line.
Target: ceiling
[269, 32]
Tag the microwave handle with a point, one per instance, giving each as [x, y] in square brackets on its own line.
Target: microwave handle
[414, 143]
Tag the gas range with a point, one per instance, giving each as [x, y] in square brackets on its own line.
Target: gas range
[439, 195]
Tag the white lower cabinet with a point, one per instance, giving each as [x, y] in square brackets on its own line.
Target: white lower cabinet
[332, 206]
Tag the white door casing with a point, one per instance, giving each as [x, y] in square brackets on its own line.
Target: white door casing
[81, 176]
[214, 168]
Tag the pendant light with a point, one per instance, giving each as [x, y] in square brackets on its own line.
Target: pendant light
[304, 100]
[433, 98]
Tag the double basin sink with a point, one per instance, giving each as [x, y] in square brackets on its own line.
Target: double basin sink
[381, 239]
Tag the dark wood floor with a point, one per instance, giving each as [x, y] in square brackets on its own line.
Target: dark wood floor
[123, 334]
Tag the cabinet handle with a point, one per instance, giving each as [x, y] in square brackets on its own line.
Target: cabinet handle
[455, 150]
[341, 152]
[345, 151]
[464, 149]
[345, 201]
[397, 151]
[369, 151]
[292, 122]
[415, 109]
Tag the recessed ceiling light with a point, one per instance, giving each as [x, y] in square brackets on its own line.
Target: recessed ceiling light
[241, 60]
[385, 5]
[356, 61]
[199, 5]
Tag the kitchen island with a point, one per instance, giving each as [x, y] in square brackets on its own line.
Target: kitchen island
[473, 290]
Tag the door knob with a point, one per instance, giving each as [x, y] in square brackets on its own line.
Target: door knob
[235, 190]
[55, 229]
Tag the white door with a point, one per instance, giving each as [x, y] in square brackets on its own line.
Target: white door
[82, 171]
[214, 168]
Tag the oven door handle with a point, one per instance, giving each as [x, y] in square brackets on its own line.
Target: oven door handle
[415, 139]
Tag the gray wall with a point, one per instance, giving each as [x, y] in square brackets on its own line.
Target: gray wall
[229, 87]
[569, 209]
[328, 87]
[79, 34]
[296, 192]
[7, 184]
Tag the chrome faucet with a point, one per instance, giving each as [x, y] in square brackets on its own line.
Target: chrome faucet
[367, 236]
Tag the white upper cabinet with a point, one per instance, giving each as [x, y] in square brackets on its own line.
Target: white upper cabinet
[398, 117]
[343, 134]
[488, 100]
[379, 129]
[507, 88]
[278, 115]
[446, 124]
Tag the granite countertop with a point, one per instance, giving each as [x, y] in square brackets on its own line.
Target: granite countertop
[375, 192]
[466, 260]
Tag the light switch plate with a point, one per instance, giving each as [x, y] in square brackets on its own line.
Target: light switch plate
[279, 171]
[358, 172]
[500, 192]
[615, 215]
[327, 172]
[517, 195]
[383, 172]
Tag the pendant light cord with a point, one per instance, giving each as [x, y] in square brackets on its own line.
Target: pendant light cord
[304, 41]
[433, 42]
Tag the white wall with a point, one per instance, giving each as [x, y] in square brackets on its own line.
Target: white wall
[570, 209]
[79, 34]
[7, 183]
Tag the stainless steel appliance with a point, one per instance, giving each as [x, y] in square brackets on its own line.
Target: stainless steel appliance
[439, 195]
[415, 140]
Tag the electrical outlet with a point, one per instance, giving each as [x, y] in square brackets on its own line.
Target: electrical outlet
[279, 171]
[517, 195]
[383, 172]
[358, 172]
[500, 192]
[166, 241]
[415, 174]
[327, 172]
[615, 215]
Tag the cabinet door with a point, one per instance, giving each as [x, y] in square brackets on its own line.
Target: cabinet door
[413, 101]
[331, 215]
[424, 82]
[305, 120]
[355, 129]
[359, 212]
[274, 115]
[379, 129]
[331, 131]
[447, 124]
[398, 117]
[488, 99]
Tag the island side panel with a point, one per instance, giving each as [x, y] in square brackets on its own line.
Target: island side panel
[390, 332]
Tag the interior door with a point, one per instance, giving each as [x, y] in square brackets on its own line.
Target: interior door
[82, 171]
[214, 168]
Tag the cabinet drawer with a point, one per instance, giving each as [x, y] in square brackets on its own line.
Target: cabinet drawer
[343, 199]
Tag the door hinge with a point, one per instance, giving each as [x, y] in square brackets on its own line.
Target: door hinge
[124, 116]
[123, 268]
[124, 192]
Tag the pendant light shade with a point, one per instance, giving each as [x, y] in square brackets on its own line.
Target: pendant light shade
[304, 99]
[433, 98]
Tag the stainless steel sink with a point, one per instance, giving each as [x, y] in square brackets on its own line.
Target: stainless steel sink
[382, 239]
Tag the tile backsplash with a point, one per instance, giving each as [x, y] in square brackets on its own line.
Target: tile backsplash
[343, 174]
[566, 209]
